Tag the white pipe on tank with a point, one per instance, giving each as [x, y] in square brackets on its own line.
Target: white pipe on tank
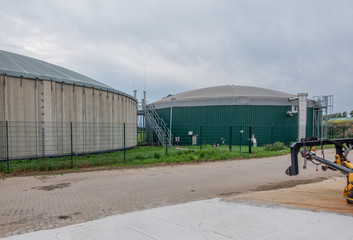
[302, 97]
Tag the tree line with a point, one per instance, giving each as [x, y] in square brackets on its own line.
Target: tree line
[340, 115]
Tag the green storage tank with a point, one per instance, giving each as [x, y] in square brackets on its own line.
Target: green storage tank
[237, 113]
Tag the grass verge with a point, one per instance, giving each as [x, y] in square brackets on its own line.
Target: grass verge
[146, 155]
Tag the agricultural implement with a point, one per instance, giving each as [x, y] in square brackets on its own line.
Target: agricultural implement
[341, 163]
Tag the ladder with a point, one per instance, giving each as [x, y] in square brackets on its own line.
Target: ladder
[158, 126]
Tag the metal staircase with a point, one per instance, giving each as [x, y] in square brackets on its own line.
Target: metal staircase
[327, 110]
[158, 126]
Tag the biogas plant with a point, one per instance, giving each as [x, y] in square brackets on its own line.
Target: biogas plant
[215, 114]
[47, 110]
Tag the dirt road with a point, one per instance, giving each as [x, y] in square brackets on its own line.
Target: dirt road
[42, 202]
[322, 196]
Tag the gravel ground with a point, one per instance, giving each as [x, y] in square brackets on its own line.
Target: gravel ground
[322, 196]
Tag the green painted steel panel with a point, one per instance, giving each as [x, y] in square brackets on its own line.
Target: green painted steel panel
[268, 123]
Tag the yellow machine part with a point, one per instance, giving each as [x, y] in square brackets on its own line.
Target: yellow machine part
[348, 190]
[348, 164]
[338, 160]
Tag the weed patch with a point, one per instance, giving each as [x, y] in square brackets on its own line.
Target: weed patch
[277, 146]
[145, 155]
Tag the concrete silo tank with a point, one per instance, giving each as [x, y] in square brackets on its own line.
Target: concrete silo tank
[40, 101]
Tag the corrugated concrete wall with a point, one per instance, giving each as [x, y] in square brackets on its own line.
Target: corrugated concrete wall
[48, 107]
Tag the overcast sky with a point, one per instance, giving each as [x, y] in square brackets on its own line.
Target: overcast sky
[179, 45]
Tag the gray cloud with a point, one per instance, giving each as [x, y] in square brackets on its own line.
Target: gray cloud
[292, 46]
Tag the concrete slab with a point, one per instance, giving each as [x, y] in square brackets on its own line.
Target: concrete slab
[208, 219]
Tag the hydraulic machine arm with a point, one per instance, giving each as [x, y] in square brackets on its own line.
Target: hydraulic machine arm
[341, 163]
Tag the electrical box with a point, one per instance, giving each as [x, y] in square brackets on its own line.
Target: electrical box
[194, 139]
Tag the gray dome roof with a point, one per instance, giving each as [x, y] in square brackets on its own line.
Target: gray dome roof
[17, 65]
[226, 95]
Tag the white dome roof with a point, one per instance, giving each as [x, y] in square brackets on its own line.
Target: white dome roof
[226, 95]
[17, 65]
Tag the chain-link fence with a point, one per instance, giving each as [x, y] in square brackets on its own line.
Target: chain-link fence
[336, 132]
[25, 140]
[230, 135]
[186, 135]
[33, 140]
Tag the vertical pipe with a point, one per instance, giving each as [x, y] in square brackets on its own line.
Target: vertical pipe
[322, 125]
[313, 132]
[171, 116]
[144, 97]
[7, 147]
[200, 137]
[240, 134]
[250, 139]
[72, 144]
[171, 119]
[302, 115]
[230, 138]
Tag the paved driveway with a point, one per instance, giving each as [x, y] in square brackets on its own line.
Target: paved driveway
[41, 202]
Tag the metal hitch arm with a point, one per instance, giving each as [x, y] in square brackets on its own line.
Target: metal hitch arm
[295, 148]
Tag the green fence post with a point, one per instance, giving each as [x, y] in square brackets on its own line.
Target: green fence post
[230, 138]
[271, 134]
[343, 130]
[7, 147]
[124, 143]
[166, 142]
[72, 148]
[200, 137]
[241, 135]
[249, 139]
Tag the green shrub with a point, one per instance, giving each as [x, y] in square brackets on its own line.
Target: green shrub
[211, 152]
[188, 151]
[277, 146]
[156, 155]
[268, 147]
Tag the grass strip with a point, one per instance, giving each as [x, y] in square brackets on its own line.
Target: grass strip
[146, 155]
